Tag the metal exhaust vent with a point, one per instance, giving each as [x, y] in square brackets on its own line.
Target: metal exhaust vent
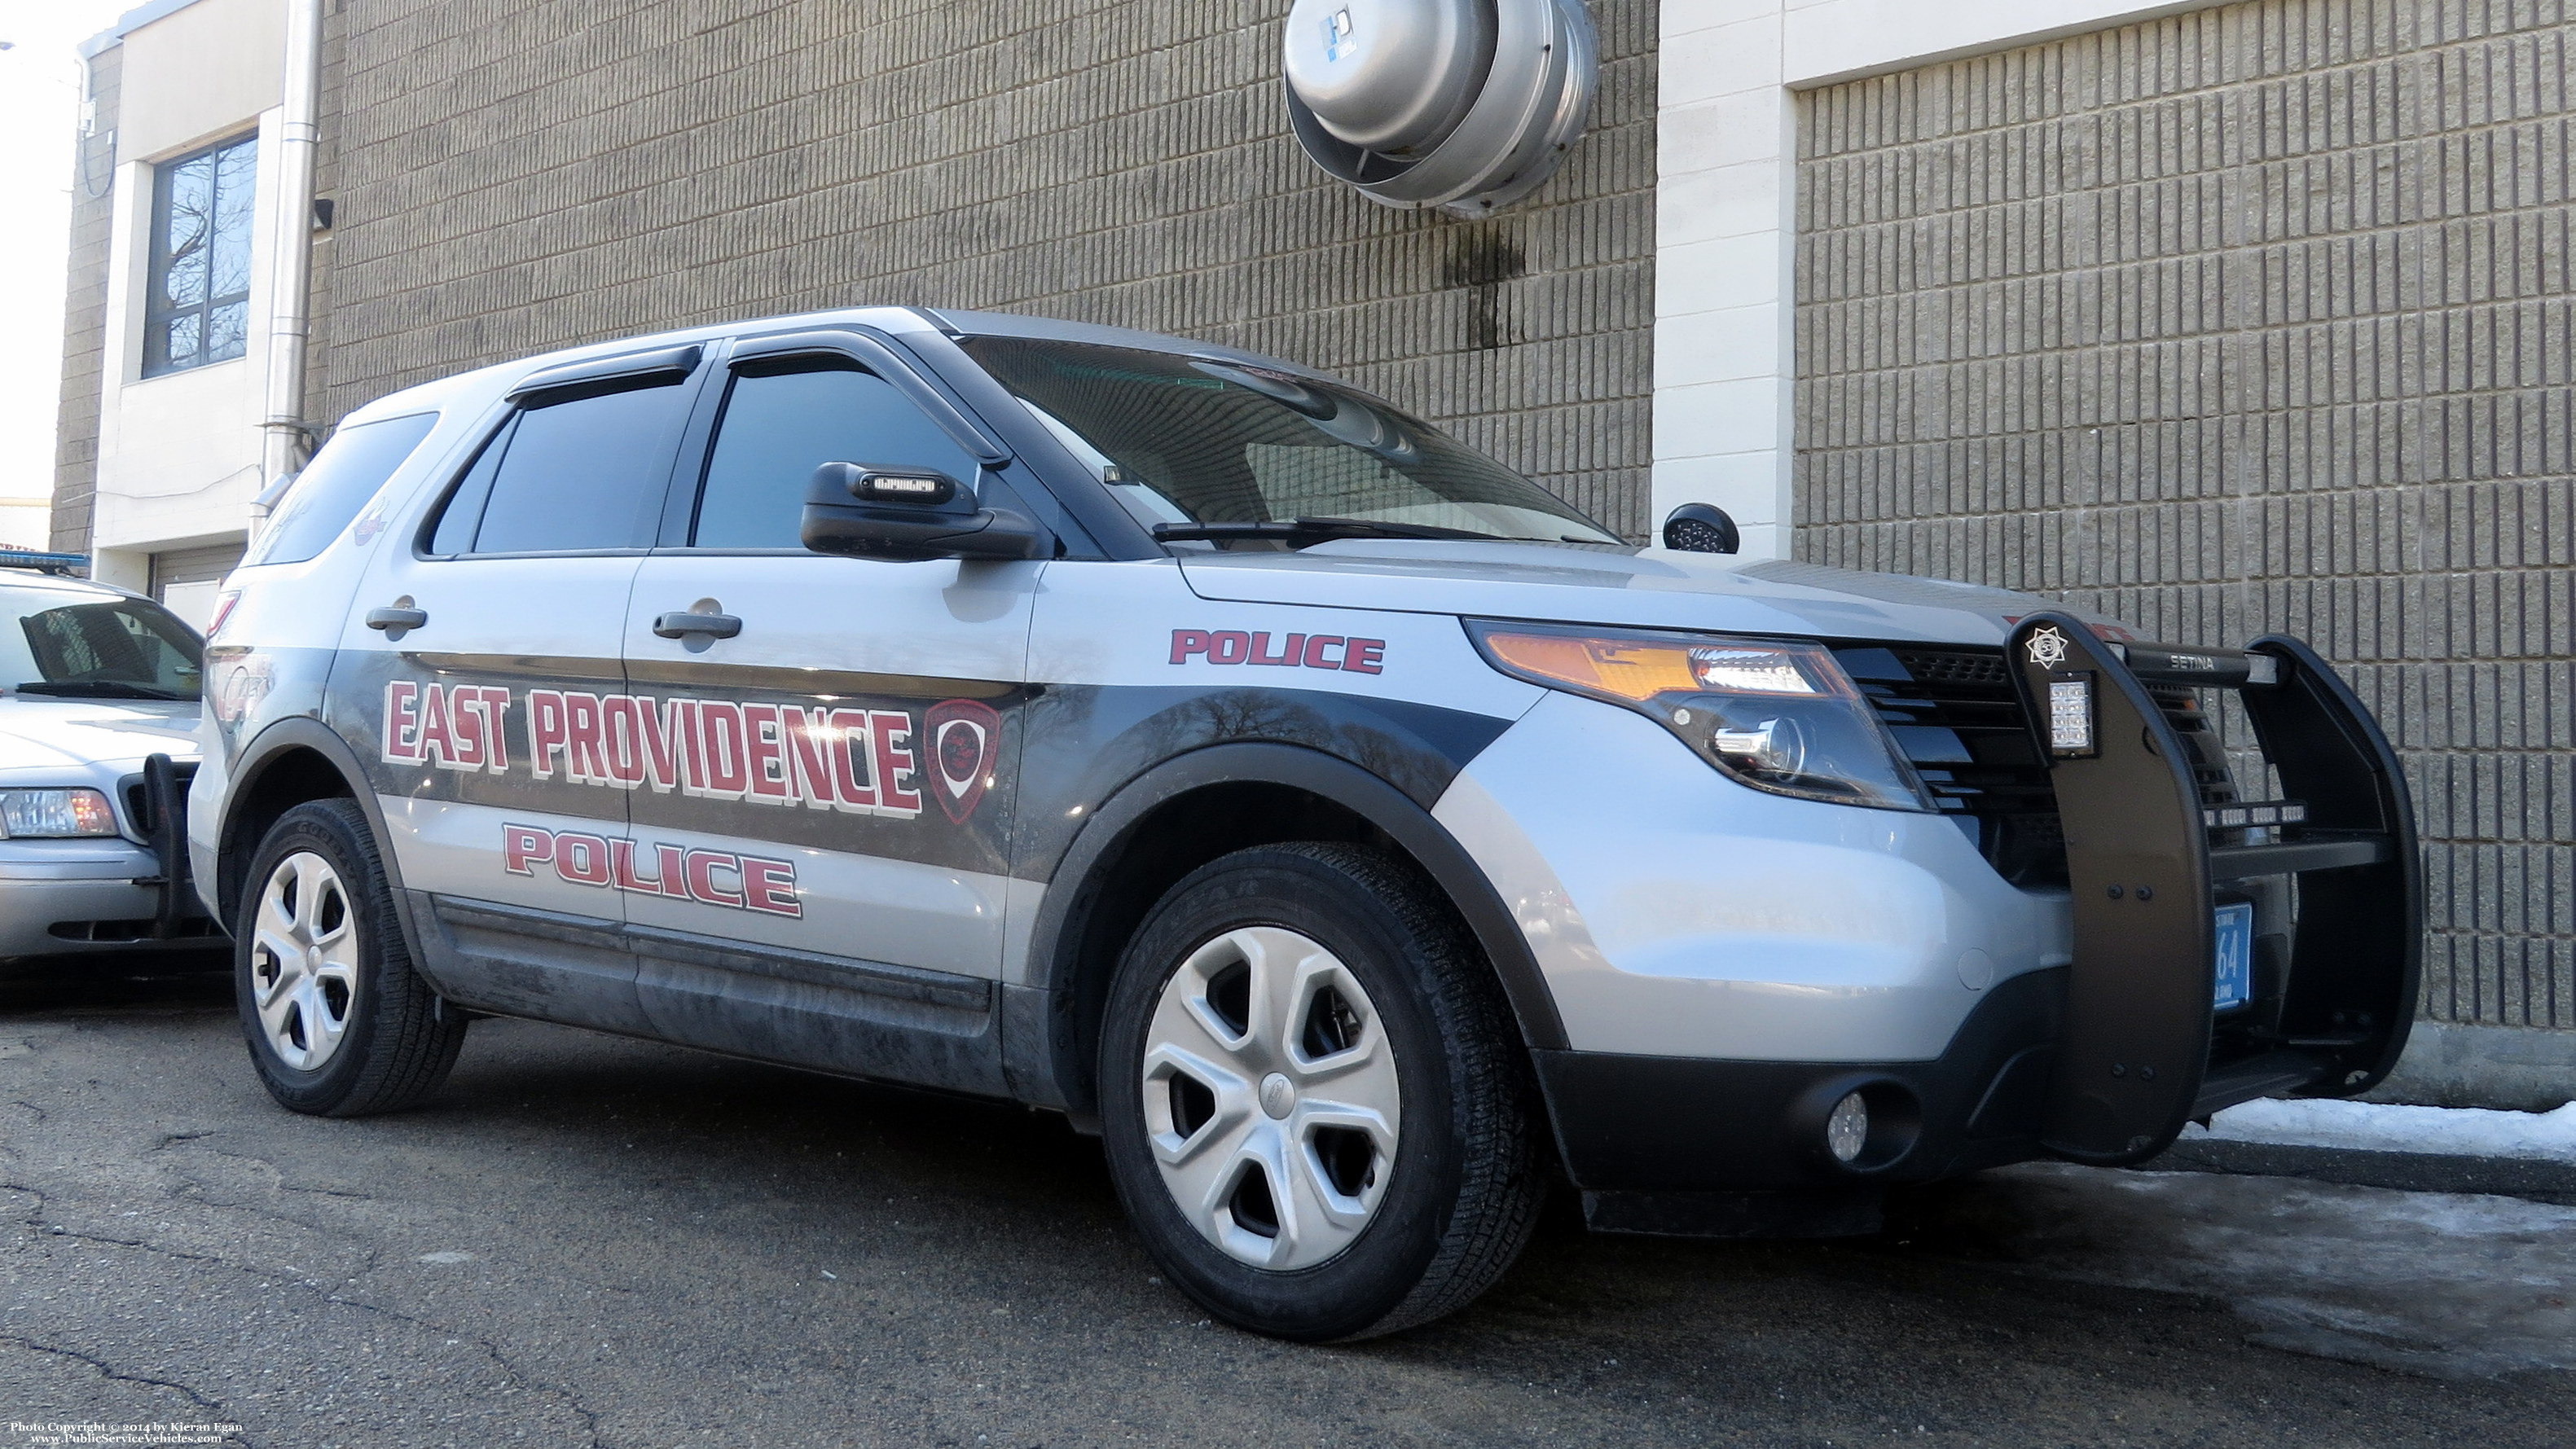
[1464, 105]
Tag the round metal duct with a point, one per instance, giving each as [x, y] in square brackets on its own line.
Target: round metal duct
[1465, 105]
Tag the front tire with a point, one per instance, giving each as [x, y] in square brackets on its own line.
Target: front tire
[339, 1024]
[1312, 1101]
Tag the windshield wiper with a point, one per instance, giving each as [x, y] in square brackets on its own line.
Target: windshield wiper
[99, 689]
[1302, 532]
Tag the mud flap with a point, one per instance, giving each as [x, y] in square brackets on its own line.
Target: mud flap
[2138, 1003]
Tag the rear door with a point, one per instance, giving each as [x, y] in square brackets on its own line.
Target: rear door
[840, 784]
[475, 678]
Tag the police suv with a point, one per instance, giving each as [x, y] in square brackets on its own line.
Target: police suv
[1352, 833]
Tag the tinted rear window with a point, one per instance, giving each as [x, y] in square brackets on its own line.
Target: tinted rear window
[335, 485]
[588, 473]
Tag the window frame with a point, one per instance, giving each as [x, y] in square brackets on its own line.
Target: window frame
[506, 416]
[682, 516]
[157, 309]
[863, 349]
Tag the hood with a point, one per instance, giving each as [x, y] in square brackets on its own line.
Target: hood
[1655, 588]
[38, 733]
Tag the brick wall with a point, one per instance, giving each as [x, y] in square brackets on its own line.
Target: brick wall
[85, 313]
[2256, 318]
[515, 176]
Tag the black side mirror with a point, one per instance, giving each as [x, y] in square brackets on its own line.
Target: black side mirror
[908, 513]
[1702, 528]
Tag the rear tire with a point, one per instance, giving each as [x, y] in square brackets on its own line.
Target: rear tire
[1313, 1102]
[339, 1024]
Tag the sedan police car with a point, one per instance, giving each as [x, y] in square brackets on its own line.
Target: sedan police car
[1354, 835]
[98, 725]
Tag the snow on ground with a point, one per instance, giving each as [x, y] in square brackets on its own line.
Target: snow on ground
[2431, 1283]
[2381, 1127]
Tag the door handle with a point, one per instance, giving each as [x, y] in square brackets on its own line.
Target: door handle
[399, 616]
[681, 626]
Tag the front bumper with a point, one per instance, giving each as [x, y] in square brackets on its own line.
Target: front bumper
[1684, 1125]
[68, 897]
[1729, 965]
[1676, 913]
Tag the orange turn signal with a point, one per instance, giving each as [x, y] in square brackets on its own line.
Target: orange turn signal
[1632, 669]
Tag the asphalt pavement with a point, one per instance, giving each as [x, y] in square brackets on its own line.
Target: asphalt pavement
[588, 1241]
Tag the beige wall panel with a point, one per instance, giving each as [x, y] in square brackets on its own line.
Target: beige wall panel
[200, 74]
[512, 178]
[2256, 318]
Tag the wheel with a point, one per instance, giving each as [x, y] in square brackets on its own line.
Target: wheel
[339, 1024]
[1313, 1103]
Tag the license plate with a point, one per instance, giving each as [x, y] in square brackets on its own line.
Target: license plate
[2235, 956]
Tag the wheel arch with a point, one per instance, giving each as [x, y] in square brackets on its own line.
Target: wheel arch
[291, 762]
[1188, 811]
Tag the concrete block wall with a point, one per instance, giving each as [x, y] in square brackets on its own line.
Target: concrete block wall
[513, 177]
[2254, 318]
[85, 310]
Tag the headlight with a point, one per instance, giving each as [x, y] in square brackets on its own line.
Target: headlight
[1777, 716]
[26, 814]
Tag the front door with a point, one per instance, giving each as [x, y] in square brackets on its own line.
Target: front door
[835, 787]
[469, 680]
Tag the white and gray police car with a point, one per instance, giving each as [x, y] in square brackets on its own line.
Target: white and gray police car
[98, 725]
[1355, 835]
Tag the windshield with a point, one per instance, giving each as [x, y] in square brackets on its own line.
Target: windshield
[85, 647]
[1185, 440]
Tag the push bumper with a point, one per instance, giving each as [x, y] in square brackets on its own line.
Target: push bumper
[2157, 841]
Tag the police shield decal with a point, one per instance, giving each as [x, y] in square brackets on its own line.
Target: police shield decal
[965, 742]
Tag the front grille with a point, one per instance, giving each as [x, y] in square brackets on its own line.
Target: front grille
[1955, 713]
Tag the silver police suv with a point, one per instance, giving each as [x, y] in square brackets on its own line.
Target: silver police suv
[1353, 834]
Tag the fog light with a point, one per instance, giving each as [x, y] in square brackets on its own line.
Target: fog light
[1847, 1130]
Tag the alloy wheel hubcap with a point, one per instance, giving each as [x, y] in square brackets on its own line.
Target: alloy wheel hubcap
[1271, 1098]
[304, 961]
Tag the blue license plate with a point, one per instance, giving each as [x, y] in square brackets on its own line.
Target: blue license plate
[2235, 956]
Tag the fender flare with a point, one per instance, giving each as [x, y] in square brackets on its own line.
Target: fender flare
[1051, 1062]
[303, 732]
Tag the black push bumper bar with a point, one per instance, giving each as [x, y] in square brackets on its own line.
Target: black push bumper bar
[165, 829]
[2330, 871]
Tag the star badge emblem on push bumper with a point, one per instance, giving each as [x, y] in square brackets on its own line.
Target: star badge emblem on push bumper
[965, 741]
[2047, 647]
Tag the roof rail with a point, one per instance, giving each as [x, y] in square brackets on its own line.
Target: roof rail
[50, 563]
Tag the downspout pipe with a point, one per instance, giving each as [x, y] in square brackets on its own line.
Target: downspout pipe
[291, 252]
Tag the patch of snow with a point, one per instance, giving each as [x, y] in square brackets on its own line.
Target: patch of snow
[2385, 1127]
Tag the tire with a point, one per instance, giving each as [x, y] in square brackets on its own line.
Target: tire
[1380, 1195]
[339, 1025]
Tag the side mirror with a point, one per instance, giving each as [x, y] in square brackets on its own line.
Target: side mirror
[1702, 528]
[907, 513]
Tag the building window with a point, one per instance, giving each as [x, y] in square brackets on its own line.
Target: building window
[200, 301]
